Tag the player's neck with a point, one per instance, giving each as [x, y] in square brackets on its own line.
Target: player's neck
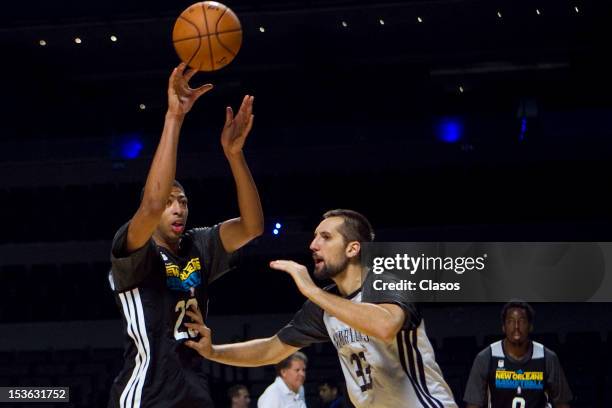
[349, 280]
[517, 351]
[172, 247]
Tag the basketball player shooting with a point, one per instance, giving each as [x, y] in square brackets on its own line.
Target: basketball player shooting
[386, 357]
[160, 270]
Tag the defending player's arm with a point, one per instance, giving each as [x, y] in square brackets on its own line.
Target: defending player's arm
[237, 232]
[383, 320]
[305, 328]
[253, 353]
[162, 172]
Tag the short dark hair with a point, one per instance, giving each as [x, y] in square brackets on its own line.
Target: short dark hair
[331, 383]
[175, 183]
[234, 390]
[356, 226]
[518, 304]
[286, 363]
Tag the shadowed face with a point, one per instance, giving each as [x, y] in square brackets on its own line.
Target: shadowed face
[242, 399]
[172, 223]
[327, 393]
[329, 249]
[516, 326]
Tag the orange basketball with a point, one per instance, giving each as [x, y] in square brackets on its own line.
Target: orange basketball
[207, 36]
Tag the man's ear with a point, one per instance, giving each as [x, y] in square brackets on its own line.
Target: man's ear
[353, 249]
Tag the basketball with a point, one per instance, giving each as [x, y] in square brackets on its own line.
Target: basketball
[207, 36]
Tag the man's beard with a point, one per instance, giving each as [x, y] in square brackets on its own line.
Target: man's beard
[329, 270]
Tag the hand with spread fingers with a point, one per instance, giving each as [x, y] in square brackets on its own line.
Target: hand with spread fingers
[299, 273]
[181, 96]
[204, 345]
[237, 127]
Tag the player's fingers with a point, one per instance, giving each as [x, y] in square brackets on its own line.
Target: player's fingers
[203, 89]
[280, 265]
[181, 68]
[249, 107]
[245, 103]
[173, 76]
[200, 328]
[173, 81]
[197, 317]
[248, 126]
[229, 116]
[194, 345]
[189, 74]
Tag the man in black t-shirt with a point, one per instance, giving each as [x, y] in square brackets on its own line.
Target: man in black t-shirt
[160, 271]
[516, 372]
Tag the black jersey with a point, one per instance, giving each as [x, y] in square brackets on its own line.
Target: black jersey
[153, 289]
[517, 384]
[499, 381]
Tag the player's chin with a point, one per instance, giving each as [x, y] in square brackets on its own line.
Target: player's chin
[173, 236]
[319, 273]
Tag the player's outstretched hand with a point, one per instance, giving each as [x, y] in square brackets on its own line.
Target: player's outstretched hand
[181, 96]
[204, 345]
[299, 273]
[237, 128]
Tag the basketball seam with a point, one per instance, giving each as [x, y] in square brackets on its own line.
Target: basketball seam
[212, 61]
[223, 45]
[199, 40]
[219, 20]
[206, 35]
[217, 34]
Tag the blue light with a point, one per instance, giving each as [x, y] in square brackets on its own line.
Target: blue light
[131, 148]
[449, 130]
[275, 231]
[278, 225]
[523, 129]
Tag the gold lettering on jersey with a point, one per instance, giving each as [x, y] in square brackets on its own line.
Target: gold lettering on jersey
[172, 270]
[192, 266]
[525, 376]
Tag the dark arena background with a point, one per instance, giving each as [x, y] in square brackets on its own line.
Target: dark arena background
[441, 120]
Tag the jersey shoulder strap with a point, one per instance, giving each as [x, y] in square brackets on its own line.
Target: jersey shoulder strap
[497, 350]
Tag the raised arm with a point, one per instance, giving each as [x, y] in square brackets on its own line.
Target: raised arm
[382, 321]
[251, 353]
[238, 231]
[162, 172]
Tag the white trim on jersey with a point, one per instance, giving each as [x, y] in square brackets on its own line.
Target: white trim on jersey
[110, 280]
[412, 362]
[136, 328]
[143, 328]
[538, 350]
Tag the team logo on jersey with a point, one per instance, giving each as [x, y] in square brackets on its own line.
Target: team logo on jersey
[189, 277]
[530, 380]
[346, 336]
[500, 363]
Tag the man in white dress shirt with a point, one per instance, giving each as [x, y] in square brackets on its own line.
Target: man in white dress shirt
[287, 390]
